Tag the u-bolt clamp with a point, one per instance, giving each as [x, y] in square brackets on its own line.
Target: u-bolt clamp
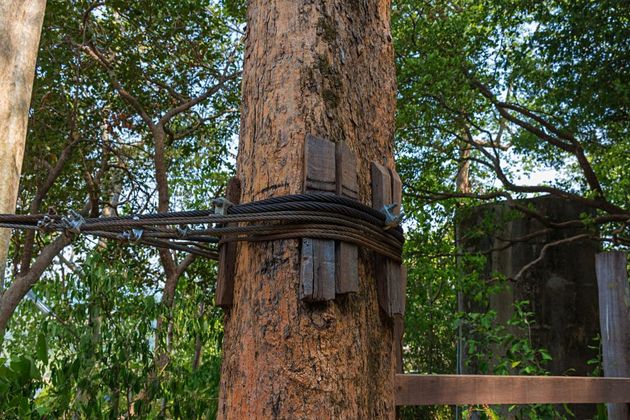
[391, 220]
[73, 222]
[182, 231]
[135, 234]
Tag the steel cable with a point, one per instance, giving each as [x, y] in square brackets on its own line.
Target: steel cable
[317, 215]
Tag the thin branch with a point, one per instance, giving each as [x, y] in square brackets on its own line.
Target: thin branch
[189, 104]
[100, 58]
[544, 250]
[183, 266]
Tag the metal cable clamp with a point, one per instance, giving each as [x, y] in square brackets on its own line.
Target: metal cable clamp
[72, 222]
[391, 220]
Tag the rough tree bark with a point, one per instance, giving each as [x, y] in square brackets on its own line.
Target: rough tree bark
[20, 29]
[323, 67]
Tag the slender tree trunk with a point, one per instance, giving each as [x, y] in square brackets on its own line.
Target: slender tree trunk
[20, 29]
[325, 68]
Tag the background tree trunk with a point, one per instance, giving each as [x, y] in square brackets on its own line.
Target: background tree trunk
[324, 68]
[20, 29]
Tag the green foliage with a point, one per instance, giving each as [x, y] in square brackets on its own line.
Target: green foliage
[97, 353]
[96, 349]
[556, 59]
[19, 381]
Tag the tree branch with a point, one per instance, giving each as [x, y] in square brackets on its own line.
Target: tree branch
[189, 104]
[23, 283]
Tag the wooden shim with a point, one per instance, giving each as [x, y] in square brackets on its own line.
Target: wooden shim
[306, 270]
[399, 293]
[390, 276]
[319, 165]
[396, 191]
[488, 389]
[317, 273]
[347, 255]
[399, 331]
[227, 255]
[381, 186]
[347, 268]
[383, 267]
[398, 273]
[614, 319]
[324, 264]
[347, 182]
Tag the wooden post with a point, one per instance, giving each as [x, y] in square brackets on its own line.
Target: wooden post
[614, 318]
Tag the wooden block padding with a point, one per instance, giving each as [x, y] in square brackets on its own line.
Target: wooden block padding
[347, 255]
[317, 271]
[317, 275]
[306, 270]
[381, 186]
[347, 268]
[397, 349]
[227, 255]
[488, 389]
[381, 195]
[319, 165]
[346, 164]
[396, 191]
[391, 277]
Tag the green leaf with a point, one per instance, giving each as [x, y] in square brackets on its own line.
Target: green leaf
[42, 348]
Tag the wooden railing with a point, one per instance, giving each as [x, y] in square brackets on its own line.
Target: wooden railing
[488, 389]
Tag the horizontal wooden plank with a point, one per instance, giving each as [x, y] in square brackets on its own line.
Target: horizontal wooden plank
[489, 389]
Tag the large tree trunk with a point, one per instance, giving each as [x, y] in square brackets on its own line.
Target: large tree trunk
[20, 29]
[324, 68]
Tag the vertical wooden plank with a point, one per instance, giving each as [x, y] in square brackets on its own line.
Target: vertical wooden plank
[399, 329]
[347, 182]
[324, 274]
[347, 268]
[614, 318]
[320, 175]
[382, 195]
[398, 276]
[391, 277]
[319, 165]
[347, 255]
[381, 186]
[306, 270]
[396, 191]
[227, 255]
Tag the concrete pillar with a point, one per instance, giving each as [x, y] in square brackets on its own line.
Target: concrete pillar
[561, 288]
